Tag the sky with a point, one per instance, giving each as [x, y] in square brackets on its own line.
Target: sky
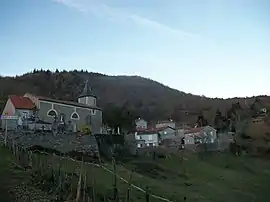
[215, 48]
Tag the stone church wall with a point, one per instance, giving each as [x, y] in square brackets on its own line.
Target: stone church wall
[86, 116]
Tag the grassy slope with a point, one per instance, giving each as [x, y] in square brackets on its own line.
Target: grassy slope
[9, 174]
[15, 182]
[212, 177]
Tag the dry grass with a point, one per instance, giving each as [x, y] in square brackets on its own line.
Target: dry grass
[206, 178]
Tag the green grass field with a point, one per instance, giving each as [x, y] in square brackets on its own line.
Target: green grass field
[213, 177]
[15, 182]
[9, 175]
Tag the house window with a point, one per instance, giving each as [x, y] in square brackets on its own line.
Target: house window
[75, 116]
[93, 112]
[52, 113]
[150, 137]
[94, 101]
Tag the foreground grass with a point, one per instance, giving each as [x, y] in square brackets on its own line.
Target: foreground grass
[15, 182]
[205, 178]
[209, 177]
[10, 175]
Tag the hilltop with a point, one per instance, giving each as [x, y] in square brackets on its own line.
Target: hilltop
[148, 98]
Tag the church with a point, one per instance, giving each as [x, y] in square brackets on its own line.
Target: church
[78, 114]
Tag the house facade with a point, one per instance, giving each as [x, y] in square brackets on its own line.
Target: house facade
[147, 139]
[75, 114]
[141, 124]
[166, 132]
[205, 134]
[18, 106]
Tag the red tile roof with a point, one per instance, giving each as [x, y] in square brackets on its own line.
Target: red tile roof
[21, 102]
[153, 130]
[194, 130]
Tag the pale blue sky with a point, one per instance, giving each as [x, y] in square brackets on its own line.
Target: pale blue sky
[217, 48]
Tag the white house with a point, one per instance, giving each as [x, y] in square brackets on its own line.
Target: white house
[205, 134]
[147, 138]
[141, 124]
[166, 132]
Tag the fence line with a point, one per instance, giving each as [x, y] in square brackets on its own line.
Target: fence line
[110, 171]
[102, 167]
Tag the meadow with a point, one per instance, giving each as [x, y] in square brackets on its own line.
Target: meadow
[204, 177]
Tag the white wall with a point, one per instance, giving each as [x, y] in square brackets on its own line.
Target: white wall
[189, 138]
[9, 109]
[91, 101]
[141, 124]
[148, 138]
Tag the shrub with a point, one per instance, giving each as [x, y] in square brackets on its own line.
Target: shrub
[86, 130]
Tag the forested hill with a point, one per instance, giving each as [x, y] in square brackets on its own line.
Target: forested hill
[144, 97]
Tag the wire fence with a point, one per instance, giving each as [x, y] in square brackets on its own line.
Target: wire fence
[74, 184]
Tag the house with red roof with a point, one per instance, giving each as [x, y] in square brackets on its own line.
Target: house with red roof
[78, 114]
[206, 134]
[19, 106]
[141, 124]
[153, 136]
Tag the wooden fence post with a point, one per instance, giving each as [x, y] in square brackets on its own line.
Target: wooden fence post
[129, 187]
[13, 147]
[93, 191]
[115, 191]
[30, 164]
[78, 195]
[147, 194]
[84, 188]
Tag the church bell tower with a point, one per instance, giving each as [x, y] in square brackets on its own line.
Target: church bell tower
[87, 97]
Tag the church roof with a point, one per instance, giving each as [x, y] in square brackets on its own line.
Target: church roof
[21, 102]
[87, 91]
[72, 103]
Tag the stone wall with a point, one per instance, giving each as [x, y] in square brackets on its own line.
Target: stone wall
[64, 143]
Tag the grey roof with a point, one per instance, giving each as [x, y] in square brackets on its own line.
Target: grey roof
[76, 104]
[87, 91]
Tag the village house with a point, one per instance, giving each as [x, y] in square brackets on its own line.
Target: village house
[147, 138]
[78, 114]
[206, 134]
[153, 136]
[140, 124]
[162, 124]
[166, 132]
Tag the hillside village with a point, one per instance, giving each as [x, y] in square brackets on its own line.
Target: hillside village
[31, 112]
[160, 153]
[43, 133]
[134, 101]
